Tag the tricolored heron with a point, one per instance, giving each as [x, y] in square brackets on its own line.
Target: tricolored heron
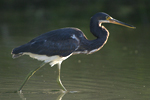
[55, 46]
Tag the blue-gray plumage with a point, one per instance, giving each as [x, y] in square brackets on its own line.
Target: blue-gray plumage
[55, 46]
[63, 42]
[56, 42]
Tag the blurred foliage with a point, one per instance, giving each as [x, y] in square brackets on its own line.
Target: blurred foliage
[135, 11]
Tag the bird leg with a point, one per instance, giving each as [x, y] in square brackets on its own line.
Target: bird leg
[59, 80]
[29, 75]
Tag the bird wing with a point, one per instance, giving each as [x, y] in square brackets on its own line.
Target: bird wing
[51, 43]
[51, 47]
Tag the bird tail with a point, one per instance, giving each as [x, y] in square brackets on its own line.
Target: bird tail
[17, 52]
[16, 55]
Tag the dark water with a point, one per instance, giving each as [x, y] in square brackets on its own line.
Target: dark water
[119, 71]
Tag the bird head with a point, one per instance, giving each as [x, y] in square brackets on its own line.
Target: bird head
[105, 18]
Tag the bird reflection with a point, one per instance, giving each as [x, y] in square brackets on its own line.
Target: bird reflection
[21, 95]
[61, 96]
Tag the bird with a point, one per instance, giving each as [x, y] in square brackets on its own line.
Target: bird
[55, 46]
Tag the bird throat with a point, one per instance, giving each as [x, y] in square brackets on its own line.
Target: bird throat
[102, 21]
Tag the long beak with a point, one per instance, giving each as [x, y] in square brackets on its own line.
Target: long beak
[114, 21]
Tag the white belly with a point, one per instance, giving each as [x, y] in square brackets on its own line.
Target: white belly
[52, 60]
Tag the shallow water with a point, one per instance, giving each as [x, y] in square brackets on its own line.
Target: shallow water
[120, 70]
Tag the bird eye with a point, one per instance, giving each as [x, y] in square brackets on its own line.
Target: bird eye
[108, 18]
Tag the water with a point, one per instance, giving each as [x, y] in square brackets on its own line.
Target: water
[119, 71]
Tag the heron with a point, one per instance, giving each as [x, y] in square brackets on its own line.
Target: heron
[57, 45]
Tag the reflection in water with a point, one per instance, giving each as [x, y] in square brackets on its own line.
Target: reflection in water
[62, 93]
[61, 96]
[21, 95]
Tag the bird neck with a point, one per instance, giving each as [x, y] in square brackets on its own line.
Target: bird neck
[97, 29]
[101, 33]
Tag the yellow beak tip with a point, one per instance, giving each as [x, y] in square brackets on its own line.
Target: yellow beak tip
[133, 27]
